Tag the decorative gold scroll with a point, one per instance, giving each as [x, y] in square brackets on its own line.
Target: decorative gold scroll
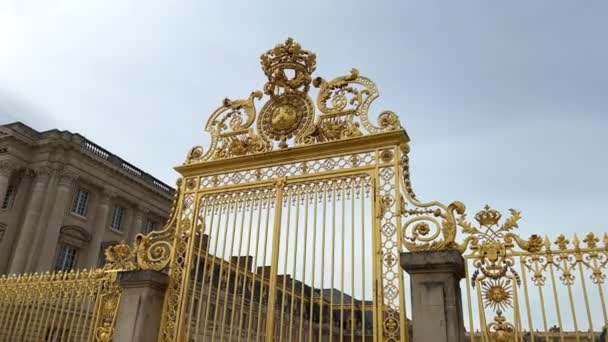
[287, 118]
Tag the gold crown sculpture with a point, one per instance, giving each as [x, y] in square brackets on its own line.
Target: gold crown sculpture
[283, 57]
[488, 217]
[288, 118]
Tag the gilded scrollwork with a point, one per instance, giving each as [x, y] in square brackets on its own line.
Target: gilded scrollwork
[287, 118]
[120, 257]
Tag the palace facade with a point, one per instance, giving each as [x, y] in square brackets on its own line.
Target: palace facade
[64, 199]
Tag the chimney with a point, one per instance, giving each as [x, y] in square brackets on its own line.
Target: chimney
[242, 261]
[265, 270]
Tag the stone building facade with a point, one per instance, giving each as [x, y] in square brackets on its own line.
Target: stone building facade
[65, 199]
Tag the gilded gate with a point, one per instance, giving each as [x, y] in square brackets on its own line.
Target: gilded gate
[287, 226]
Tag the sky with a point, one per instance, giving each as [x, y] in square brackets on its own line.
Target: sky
[505, 102]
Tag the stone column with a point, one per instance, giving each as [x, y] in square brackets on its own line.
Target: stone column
[138, 222]
[437, 313]
[99, 228]
[32, 214]
[19, 207]
[6, 169]
[43, 261]
[141, 306]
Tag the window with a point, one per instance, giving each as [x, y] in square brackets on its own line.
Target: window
[149, 226]
[7, 202]
[81, 200]
[117, 217]
[66, 260]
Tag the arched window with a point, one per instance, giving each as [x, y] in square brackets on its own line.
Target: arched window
[71, 240]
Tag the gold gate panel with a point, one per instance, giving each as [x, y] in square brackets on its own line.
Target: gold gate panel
[287, 227]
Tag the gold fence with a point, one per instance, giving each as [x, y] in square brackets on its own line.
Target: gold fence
[536, 290]
[520, 289]
[61, 306]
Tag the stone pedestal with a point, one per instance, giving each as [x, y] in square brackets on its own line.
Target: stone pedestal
[141, 306]
[437, 313]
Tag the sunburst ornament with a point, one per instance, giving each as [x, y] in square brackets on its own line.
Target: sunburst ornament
[497, 294]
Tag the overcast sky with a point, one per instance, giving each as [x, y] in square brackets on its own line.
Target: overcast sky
[505, 103]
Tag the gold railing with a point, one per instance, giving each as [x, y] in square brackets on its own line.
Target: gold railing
[62, 306]
[519, 289]
[537, 292]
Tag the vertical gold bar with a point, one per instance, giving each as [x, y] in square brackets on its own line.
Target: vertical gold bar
[295, 260]
[555, 297]
[87, 313]
[342, 238]
[376, 252]
[403, 328]
[255, 260]
[83, 295]
[516, 310]
[207, 259]
[75, 306]
[302, 306]
[248, 272]
[197, 262]
[288, 228]
[56, 304]
[38, 303]
[526, 297]
[16, 307]
[573, 310]
[95, 313]
[238, 269]
[323, 230]
[45, 312]
[211, 261]
[333, 261]
[585, 295]
[275, 259]
[482, 314]
[543, 309]
[72, 292]
[23, 295]
[181, 309]
[352, 260]
[469, 303]
[363, 257]
[262, 279]
[221, 273]
[228, 273]
[314, 252]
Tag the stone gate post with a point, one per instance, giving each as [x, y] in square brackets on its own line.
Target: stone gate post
[141, 306]
[437, 313]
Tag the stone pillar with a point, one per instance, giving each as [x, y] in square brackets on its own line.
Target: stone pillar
[437, 313]
[30, 221]
[44, 260]
[138, 222]
[99, 228]
[141, 306]
[12, 232]
[6, 169]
